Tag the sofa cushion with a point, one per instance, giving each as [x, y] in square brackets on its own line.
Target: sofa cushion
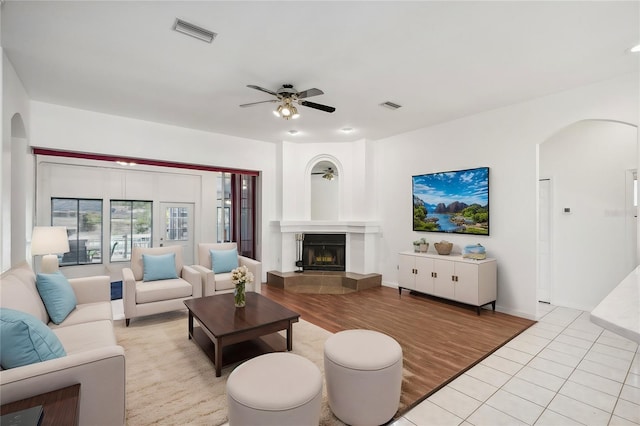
[224, 260]
[57, 295]
[162, 290]
[159, 267]
[18, 291]
[87, 312]
[87, 336]
[24, 340]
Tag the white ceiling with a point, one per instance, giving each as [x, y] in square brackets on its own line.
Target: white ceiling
[439, 60]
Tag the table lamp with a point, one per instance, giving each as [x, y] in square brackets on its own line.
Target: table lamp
[49, 241]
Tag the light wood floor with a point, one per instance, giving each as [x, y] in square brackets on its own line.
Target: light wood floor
[439, 339]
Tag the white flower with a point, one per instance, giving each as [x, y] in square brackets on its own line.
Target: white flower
[241, 275]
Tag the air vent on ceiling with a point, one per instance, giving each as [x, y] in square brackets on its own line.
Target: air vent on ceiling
[390, 105]
[189, 29]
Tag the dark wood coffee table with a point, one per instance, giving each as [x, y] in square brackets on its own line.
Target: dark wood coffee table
[240, 333]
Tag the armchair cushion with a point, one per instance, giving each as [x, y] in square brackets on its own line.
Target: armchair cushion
[224, 260]
[159, 267]
[25, 340]
[163, 290]
[57, 294]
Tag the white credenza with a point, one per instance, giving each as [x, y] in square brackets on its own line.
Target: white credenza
[469, 281]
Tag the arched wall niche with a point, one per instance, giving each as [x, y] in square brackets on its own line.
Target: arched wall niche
[588, 236]
[19, 179]
[17, 127]
[324, 195]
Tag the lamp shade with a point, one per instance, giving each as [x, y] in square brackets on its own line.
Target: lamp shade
[49, 240]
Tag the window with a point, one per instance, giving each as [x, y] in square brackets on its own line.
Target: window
[224, 207]
[83, 220]
[247, 215]
[236, 201]
[177, 224]
[131, 226]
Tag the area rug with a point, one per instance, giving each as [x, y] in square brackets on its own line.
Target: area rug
[171, 381]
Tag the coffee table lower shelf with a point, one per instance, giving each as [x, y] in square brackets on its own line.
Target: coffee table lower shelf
[239, 351]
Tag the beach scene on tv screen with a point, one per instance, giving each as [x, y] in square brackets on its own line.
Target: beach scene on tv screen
[456, 202]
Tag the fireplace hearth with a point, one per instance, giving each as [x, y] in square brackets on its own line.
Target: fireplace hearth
[324, 252]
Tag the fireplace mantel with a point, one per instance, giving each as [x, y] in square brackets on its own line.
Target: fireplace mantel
[330, 226]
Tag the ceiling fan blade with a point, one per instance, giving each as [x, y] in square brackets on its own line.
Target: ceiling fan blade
[310, 92]
[324, 108]
[256, 103]
[262, 89]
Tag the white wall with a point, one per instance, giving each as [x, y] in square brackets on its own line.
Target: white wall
[505, 140]
[587, 165]
[62, 128]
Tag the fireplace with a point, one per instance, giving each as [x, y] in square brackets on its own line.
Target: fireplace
[324, 252]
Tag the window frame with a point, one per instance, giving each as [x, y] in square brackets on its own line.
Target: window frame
[128, 245]
[88, 255]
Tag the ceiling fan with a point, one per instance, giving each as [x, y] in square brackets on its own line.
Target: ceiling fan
[287, 95]
[327, 174]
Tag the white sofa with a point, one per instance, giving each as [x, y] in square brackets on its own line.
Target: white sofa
[218, 283]
[93, 358]
[143, 298]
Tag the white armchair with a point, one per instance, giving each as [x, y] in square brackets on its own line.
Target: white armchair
[220, 282]
[150, 297]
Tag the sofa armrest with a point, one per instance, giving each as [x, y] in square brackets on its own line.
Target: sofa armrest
[92, 289]
[208, 279]
[256, 269]
[128, 293]
[193, 277]
[100, 372]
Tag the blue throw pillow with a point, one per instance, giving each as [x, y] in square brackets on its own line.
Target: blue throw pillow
[159, 267]
[24, 340]
[57, 295]
[224, 260]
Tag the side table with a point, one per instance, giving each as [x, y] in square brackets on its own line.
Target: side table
[60, 406]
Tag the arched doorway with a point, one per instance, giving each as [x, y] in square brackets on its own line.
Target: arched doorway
[587, 225]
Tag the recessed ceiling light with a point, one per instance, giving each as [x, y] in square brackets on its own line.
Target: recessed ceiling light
[346, 130]
[635, 49]
[192, 30]
[293, 132]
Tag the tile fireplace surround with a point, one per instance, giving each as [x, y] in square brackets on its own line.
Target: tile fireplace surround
[362, 240]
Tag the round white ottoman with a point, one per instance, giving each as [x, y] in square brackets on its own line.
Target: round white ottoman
[363, 370]
[275, 389]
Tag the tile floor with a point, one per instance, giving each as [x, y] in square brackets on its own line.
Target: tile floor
[564, 370]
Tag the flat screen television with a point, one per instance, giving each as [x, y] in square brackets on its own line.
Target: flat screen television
[453, 202]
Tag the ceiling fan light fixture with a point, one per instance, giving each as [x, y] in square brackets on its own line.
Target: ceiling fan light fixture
[328, 174]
